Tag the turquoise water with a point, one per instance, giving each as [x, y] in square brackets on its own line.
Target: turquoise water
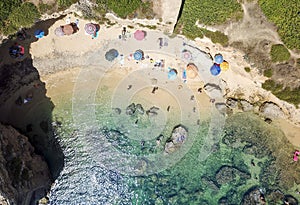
[244, 158]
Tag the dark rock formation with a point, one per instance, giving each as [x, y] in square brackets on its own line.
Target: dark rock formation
[253, 197]
[227, 174]
[25, 176]
[130, 110]
[223, 108]
[232, 103]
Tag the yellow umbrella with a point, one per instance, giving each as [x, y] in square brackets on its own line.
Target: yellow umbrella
[224, 66]
[191, 71]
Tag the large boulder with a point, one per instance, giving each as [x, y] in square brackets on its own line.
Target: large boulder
[253, 197]
[246, 106]
[271, 110]
[178, 137]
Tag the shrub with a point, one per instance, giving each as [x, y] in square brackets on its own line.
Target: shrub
[279, 53]
[247, 69]
[287, 94]
[123, 7]
[268, 73]
[208, 12]
[217, 37]
[286, 17]
[24, 16]
[63, 4]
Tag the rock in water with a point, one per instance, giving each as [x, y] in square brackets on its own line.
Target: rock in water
[117, 110]
[130, 110]
[178, 137]
[140, 109]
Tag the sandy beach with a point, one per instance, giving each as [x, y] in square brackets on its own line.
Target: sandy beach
[62, 61]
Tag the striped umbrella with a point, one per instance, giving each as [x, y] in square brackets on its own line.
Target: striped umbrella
[90, 28]
[138, 55]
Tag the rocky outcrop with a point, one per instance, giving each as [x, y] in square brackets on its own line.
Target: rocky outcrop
[271, 110]
[227, 174]
[178, 137]
[24, 175]
[253, 197]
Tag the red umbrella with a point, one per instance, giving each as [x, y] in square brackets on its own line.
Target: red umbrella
[139, 35]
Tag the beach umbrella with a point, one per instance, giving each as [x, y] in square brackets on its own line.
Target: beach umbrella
[139, 35]
[186, 55]
[191, 71]
[90, 28]
[138, 55]
[111, 54]
[224, 66]
[215, 69]
[68, 29]
[59, 31]
[172, 74]
[39, 33]
[218, 59]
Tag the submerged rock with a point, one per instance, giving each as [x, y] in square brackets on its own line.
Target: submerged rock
[117, 111]
[130, 110]
[227, 174]
[178, 137]
[253, 196]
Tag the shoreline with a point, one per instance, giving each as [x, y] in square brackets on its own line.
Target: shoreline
[238, 83]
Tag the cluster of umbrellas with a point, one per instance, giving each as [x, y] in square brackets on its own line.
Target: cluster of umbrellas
[219, 65]
[66, 29]
[16, 51]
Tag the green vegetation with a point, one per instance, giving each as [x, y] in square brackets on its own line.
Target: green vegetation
[247, 69]
[285, 15]
[63, 4]
[209, 12]
[283, 93]
[216, 37]
[279, 53]
[124, 7]
[268, 73]
[14, 15]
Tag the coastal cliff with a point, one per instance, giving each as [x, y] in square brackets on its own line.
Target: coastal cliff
[24, 175]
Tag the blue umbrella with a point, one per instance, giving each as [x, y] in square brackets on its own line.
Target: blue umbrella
[218, 59]
[111, 54]
[215, 69]
[39, 33]
[172, 74]
[138, 55]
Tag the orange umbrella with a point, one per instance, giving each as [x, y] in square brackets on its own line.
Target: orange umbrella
[68, 29]
[224, 66]
[191, 71]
